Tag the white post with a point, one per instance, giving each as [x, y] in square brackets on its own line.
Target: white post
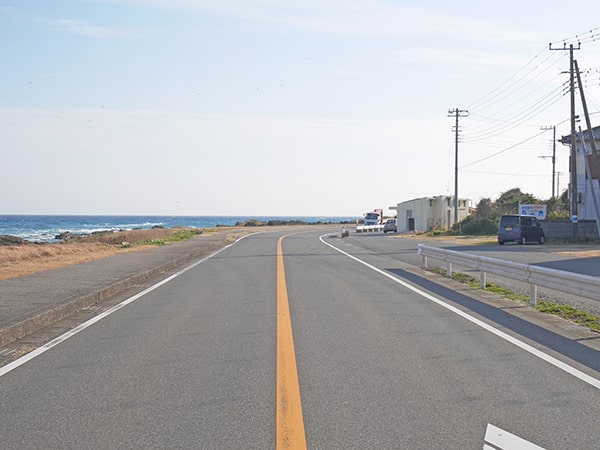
[533, 295]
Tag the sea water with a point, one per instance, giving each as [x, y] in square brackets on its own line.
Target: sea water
[45, 228]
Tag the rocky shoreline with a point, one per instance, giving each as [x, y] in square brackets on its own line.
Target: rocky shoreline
[68, 236]
[7, 239]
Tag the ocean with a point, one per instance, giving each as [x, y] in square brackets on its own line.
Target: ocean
[45, 228]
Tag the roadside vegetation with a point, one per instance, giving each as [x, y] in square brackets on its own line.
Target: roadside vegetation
[569, 313]
[483, 221]
[27, 257]
[136, 238]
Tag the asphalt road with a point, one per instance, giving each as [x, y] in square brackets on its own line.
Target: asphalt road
[380, 363]
[582, 259]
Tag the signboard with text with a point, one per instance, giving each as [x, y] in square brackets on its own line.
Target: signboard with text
[538, 211]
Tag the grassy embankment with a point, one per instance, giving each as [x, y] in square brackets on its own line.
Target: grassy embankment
[19, 260]
[567, 312]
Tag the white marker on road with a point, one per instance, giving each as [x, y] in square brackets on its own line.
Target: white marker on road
[498, 439]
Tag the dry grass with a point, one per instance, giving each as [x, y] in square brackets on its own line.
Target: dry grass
[19, 260]
[133, 236]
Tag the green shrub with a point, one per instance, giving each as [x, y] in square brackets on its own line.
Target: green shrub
[479, 226]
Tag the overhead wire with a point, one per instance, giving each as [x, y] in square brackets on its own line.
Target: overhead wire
[506, 107]
[503, 150]
[513, 116]
[586, 36]
[506, 86]
[523, 115]
[490, 127]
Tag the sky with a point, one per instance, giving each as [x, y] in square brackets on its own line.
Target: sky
[284, 108]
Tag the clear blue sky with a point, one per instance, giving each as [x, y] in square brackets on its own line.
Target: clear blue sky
[297, 107]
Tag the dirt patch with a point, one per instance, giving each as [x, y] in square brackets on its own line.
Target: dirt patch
[460, 240]
[581, 253]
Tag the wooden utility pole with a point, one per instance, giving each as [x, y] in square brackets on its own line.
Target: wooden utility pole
[456, 113]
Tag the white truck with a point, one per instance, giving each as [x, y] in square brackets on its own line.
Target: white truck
[373, 221]
[374, 217]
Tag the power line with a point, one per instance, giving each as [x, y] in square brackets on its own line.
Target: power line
[507, 100]
[525, 114]
[506, 174]
[502, 151]
[489, 99]
[592, 35]
[522, 97]
[526, 107]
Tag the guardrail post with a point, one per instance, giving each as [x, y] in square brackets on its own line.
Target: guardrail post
[533, 295]
[572, 283]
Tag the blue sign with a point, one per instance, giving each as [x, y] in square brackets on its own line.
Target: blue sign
[538, 211]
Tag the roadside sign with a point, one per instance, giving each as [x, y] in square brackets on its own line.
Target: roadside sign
[538, 211]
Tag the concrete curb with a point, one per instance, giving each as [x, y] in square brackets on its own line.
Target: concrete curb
[41, 320]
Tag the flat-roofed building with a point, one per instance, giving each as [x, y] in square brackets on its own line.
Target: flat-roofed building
[429, 213]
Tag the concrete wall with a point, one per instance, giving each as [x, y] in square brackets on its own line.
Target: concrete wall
[562, 229]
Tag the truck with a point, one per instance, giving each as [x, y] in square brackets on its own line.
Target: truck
[374, 217]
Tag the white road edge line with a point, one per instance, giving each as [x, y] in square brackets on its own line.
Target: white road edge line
[524, 346]
[44, 348]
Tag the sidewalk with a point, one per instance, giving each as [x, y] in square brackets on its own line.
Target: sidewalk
[34, 301]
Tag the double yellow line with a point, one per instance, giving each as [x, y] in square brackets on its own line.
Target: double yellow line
[290, 424]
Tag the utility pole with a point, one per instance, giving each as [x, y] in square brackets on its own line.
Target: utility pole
[595, 156]
[553, 155]
[573, 158]
[595, 168]
[456, 113]
[558, 174]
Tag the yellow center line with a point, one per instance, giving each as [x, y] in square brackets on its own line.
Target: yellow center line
[290, 424]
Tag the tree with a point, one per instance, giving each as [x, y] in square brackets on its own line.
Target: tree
[485, 208]
[508, 202]
[484, 220]
[559, 207]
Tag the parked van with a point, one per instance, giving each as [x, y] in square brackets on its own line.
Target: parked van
[390, 225]
[520, 229]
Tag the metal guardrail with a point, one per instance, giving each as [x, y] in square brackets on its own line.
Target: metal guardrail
[368, 228]
[569, 282]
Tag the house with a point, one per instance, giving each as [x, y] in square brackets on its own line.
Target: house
[429, 213]
[588, 189]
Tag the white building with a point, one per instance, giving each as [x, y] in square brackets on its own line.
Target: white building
[587, 178]
[429, 213]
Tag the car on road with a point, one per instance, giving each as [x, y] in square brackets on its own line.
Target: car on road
[520, 229]
[390, 225]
